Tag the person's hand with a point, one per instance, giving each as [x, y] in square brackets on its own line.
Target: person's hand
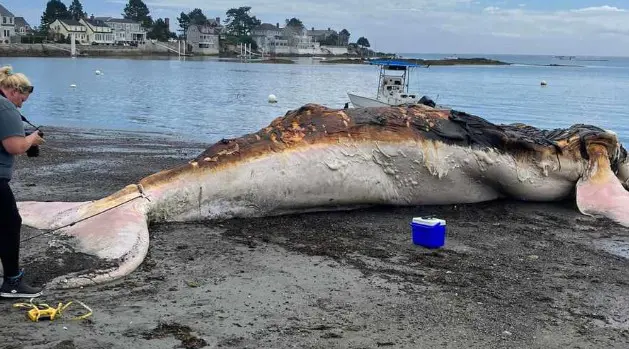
[35, 139]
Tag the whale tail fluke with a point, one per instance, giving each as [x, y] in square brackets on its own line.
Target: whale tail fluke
[113, 229]
[599, 192]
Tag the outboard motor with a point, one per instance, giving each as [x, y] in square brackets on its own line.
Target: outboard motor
[427, 101]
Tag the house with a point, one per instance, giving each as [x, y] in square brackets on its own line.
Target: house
[7, 25]
[216, 24]
[203, 39]
[126, 31]
[21, 26]
[98, 32]
[267, 36]
[321, 35]
[338, 44]
[63, 28]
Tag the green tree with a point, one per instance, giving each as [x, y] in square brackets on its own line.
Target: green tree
[295, 23]
[136, 10]
[76, 10]
[363, 42]
[184, 23]
[197, 17]
[239, 22]
[194, 17]
[159, 31]
[331, 40]
[55, 9]
[344, 37]
[293, 30]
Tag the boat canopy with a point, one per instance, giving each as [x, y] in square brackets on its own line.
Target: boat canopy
[394, 64]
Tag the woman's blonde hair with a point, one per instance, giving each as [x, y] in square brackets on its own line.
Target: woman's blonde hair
[9, 79]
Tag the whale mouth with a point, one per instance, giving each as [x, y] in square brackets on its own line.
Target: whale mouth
[599, 191]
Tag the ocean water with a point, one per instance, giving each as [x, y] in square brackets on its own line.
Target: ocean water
[211, 99]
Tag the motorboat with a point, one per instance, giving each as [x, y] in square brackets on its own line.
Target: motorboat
[393, 83]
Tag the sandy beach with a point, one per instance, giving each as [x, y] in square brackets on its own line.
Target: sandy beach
[512, 274]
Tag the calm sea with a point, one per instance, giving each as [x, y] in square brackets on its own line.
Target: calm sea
[208, 99]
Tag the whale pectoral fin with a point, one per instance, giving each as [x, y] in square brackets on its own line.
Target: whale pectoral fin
[116, 234]
[44, 215]
[599, 192]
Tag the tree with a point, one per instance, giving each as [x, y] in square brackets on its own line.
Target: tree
[293, 30]
[331, 40]
[55, 9]
[363, 42]
[184, 23]
[344, 37]
[239, 22]
[194, 17]
[197, 17]
[136, 10]
[159, 31]
[76, 10]
[295, 23]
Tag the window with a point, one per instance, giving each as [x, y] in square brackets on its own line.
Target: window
[4, 20]
[11, 20]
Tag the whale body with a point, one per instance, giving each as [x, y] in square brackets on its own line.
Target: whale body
[317, 158]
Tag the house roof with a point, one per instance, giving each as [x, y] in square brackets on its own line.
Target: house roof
[321, 32]
[20, 22]
[70, 22]
[4, 12]
[214, 22]
[205, 29]
[119, 20]
[95, 22]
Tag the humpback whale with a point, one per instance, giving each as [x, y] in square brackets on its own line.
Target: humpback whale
[318, 158]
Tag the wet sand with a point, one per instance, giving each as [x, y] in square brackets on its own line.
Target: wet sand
[512, 274]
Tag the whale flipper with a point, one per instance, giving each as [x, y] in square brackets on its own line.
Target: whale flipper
[599, 192]
[114, 229]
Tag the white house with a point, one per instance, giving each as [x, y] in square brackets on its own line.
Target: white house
[7, 25]
[203, 38]
[98, 32]
[62, 28]
[126, 31]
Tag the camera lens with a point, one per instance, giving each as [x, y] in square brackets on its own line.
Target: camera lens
[33, 151]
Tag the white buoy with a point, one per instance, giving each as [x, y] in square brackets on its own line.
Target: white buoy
[272, 99]
[97, 72]
[543, 83]
[73, 85]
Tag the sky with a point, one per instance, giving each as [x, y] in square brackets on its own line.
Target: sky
[552, 27]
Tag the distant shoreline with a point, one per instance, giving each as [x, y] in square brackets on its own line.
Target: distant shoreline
[426, 62]
[155, 51]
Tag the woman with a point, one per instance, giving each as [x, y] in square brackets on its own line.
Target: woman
[14, 91]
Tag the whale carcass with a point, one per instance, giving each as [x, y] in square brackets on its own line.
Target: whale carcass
[318, 158]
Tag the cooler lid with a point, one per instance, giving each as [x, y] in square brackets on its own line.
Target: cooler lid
[429, 221]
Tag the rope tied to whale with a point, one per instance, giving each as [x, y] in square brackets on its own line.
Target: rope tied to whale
[141, 194]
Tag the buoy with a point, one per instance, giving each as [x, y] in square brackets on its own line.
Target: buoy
[272, 99]
[73, 85]
[543, 83]
[97, 72]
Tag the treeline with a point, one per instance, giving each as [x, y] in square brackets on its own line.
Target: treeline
[239, 22]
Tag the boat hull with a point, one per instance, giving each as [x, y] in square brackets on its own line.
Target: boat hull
[365, 102]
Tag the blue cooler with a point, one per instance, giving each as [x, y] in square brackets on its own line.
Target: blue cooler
[428, 232]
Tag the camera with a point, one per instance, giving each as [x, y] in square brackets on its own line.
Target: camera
[33, 151]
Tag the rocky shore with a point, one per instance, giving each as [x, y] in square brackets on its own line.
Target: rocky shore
[512, 274]
[63, 50]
